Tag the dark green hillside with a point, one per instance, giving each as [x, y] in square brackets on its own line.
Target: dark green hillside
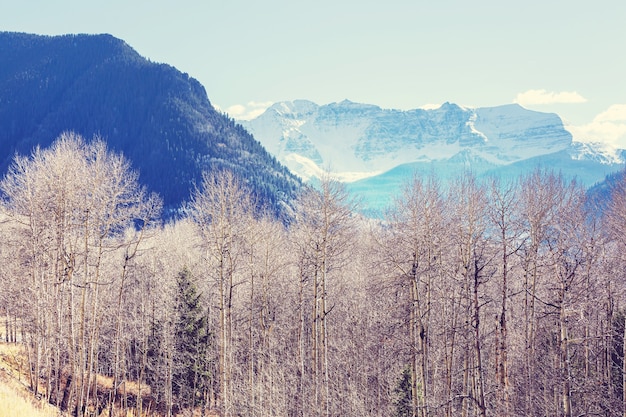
[160, 118]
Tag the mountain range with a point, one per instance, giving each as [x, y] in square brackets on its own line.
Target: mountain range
[163, 121]
[160, 118]
[376, 150]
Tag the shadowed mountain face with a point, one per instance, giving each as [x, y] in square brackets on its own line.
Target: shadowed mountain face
[158, 117]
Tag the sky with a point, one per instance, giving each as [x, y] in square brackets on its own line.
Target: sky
[566, 57]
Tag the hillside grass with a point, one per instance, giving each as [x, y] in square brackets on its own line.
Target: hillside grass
[16, 400]
[15, 397]
[14, 403]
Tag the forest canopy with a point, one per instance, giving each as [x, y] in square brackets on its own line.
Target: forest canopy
[478, 298]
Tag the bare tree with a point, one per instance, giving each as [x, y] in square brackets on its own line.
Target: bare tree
[504, 226]
[473, 259]
[323, 234]
[223, 209]
[412, 250]
[615, 227]
[498, 298]
[72, 200]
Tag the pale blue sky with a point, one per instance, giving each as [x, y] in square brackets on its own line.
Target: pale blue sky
[393, 53]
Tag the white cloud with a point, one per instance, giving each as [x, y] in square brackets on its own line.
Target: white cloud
[248, 111]
[535, 97]
[615, 113]
[608, 127]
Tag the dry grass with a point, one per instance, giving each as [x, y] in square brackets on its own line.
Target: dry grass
[16, 400]
[12, 359]
[129, 387]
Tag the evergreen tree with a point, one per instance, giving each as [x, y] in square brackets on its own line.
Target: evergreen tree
[190, 374]
[156, 366]
[404, 398]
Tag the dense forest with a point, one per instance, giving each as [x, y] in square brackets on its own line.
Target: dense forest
[470, 299]
[158, 117]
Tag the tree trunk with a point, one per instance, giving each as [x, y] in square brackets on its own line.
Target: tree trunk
[480, 389]
[624, 370]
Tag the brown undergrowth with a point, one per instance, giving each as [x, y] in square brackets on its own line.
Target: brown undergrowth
[16, 398]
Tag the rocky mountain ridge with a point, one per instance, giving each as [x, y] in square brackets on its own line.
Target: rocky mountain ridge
[372, 149]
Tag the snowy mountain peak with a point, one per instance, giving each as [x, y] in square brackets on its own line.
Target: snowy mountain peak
[598, 152]
[349, 137]
[292, 108]
[374, 150]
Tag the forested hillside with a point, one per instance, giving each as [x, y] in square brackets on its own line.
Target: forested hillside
[160, 118]
[485, 298]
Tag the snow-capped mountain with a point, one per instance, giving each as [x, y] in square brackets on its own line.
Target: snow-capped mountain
[375, 149]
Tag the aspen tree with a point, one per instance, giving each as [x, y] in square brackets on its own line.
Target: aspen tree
[266, 261]
[568, 249]
[615, 225]
[174, 248]
[540, 196]
[72, 200]
[412, 251]
[325, 228]
[222, 210]
[502, 215]
[469, 205]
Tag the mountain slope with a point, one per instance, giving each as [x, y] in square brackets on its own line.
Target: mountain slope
[160, 118]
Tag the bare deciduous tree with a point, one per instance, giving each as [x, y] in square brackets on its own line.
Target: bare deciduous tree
[323, 233]
[73, 202]
[223, 210]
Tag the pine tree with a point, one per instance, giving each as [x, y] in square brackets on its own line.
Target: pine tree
[156, 366]
[190, 376]
[404, 400]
